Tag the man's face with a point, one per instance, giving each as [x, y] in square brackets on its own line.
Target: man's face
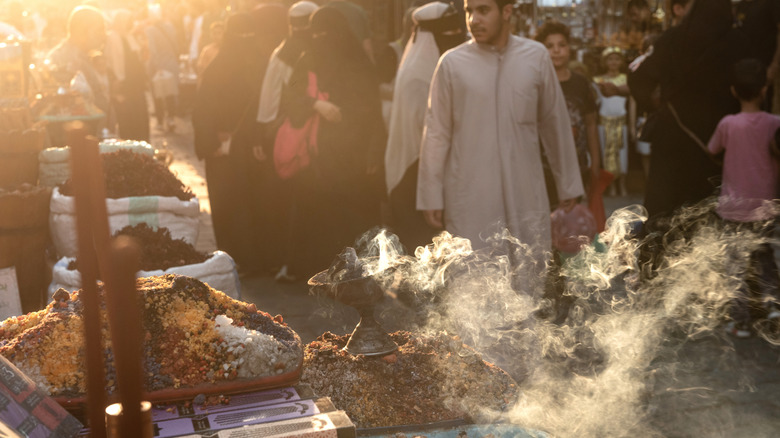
[559, 50]
[679, 11]
[486, 22]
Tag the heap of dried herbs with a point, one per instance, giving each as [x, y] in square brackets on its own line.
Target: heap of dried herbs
[131, 174]
[158, 249]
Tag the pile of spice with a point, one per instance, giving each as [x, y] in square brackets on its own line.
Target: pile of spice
[158, 249]
[130, 174]
[184, 346]
[428, 379]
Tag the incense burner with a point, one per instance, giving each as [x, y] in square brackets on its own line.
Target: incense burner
[359, 290]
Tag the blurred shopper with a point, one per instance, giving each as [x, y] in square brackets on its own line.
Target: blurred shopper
[210, 51]
[129, 92]
[271, 23]
[204, 13]
[388, 62]
[224, 137]
[580, 101]
[86, 33]
[163, 65]
[277, 76]
[281, 63]
[437, 29]
[760, 21]
[645, 116]
[691, 64]
[639, 24]
[613, 118]
[491, 101]
[344, 181]
[358, 21]
[750, 178]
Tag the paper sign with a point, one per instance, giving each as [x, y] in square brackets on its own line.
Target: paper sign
[28, 411]
[10, 303]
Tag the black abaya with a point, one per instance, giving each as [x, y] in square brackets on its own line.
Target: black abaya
[691, 63]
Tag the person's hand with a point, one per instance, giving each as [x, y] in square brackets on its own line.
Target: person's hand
[223, 136]
[434, 218]
[327, 110]
[594, 175]
[259, 154]
[567, 204]
[608, 89]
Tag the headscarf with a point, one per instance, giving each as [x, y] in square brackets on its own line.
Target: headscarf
[240, 41]
[706, 23]
[271, 24]
[441, 22]
[410, 95]
[298, 41]
[335, 49]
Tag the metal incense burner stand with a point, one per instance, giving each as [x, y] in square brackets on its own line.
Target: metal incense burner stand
[363, 293]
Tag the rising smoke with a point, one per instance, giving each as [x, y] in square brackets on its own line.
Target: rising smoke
[613, 363]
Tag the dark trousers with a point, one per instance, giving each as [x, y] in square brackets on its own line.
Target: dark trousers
[164, 107]
[132, 116]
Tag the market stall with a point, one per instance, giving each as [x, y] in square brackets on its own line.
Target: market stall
[206, 364]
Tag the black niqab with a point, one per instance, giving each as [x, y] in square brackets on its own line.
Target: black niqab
[707, 23]
[271, 24]
[335, 49]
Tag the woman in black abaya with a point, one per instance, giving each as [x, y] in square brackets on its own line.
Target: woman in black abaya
[691, 64]
[226, 138]
[339, 194]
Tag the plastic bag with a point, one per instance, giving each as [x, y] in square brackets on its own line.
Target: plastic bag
[572, 230]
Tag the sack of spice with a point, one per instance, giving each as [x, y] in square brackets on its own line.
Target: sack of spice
[54, 163]
[139, 189]
[178, 216]
[161, 254]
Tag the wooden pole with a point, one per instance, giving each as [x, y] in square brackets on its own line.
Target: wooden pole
[124, 318]
[84, 156]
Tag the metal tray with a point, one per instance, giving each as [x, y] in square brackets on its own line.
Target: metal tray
[439, 430]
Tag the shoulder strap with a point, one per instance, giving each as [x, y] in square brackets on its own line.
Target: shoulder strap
[692, 134]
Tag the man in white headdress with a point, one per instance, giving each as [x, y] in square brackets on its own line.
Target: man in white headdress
[491, 101]
[437, 28]
[283, 60]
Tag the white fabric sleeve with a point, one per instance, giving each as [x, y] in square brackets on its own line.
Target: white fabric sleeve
[436, 142]
[556, 135]
[276, 76]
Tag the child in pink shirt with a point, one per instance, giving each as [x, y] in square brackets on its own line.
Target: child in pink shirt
[750, 181]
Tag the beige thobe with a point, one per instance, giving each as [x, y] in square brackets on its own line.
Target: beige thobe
[480, 160]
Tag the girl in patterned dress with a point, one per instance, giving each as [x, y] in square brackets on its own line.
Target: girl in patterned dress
[613, 132]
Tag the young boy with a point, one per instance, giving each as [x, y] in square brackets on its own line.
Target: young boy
[750, 177]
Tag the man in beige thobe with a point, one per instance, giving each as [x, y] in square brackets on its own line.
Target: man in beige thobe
[491, 101]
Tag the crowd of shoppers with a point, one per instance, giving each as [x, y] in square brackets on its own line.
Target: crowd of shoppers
[481, 129]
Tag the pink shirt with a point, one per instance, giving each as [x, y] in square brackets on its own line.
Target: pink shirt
[750, 171]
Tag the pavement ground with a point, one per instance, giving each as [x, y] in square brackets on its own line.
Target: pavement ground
[718, 386]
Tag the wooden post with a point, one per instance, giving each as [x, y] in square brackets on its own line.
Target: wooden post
[84, 155]
[124, 318]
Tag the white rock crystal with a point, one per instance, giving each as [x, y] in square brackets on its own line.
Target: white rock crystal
[256, 354]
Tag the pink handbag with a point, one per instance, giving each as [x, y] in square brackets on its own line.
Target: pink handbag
[293, 147]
